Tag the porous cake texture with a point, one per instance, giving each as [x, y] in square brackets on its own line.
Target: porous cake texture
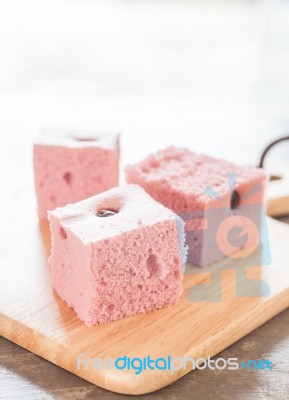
[206, 193]
[117, 254]
[70, 166]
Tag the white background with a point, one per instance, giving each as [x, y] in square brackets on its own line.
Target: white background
[210, 75]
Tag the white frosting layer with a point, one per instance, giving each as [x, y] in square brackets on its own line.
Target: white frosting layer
[135, 210]
[74, 138]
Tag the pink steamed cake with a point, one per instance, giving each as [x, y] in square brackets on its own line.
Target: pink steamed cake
[197, 188]
[70, 166]
[127, 262]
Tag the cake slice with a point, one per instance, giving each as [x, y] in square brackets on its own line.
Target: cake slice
[72, 165]
[117, 254]
[221, 203]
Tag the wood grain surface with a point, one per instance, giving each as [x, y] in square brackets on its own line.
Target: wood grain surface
[36, 318]
[25, 376]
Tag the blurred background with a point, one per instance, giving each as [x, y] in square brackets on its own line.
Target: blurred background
[210, 75]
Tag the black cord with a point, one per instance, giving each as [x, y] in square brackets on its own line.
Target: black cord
[269, 147]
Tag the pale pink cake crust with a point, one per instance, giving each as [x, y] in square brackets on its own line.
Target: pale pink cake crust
[70, 166]
[179, 179]
[108, 268]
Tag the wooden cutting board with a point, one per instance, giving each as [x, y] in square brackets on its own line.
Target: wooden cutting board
[278, 188]
[34, 317]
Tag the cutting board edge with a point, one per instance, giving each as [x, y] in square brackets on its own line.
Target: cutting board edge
[268, 309]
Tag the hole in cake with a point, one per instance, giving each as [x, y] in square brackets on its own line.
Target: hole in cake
[177, 274]
[67, 177]
[139, 286]
[275, 178]
[85, 139]
[111, 307]
[62, 233]
[235, 200]
[108, 207]
[106, 212]
[153, 266]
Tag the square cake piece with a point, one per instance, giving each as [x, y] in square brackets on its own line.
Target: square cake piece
[221, 203]
[117, 254]
[70, 166]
